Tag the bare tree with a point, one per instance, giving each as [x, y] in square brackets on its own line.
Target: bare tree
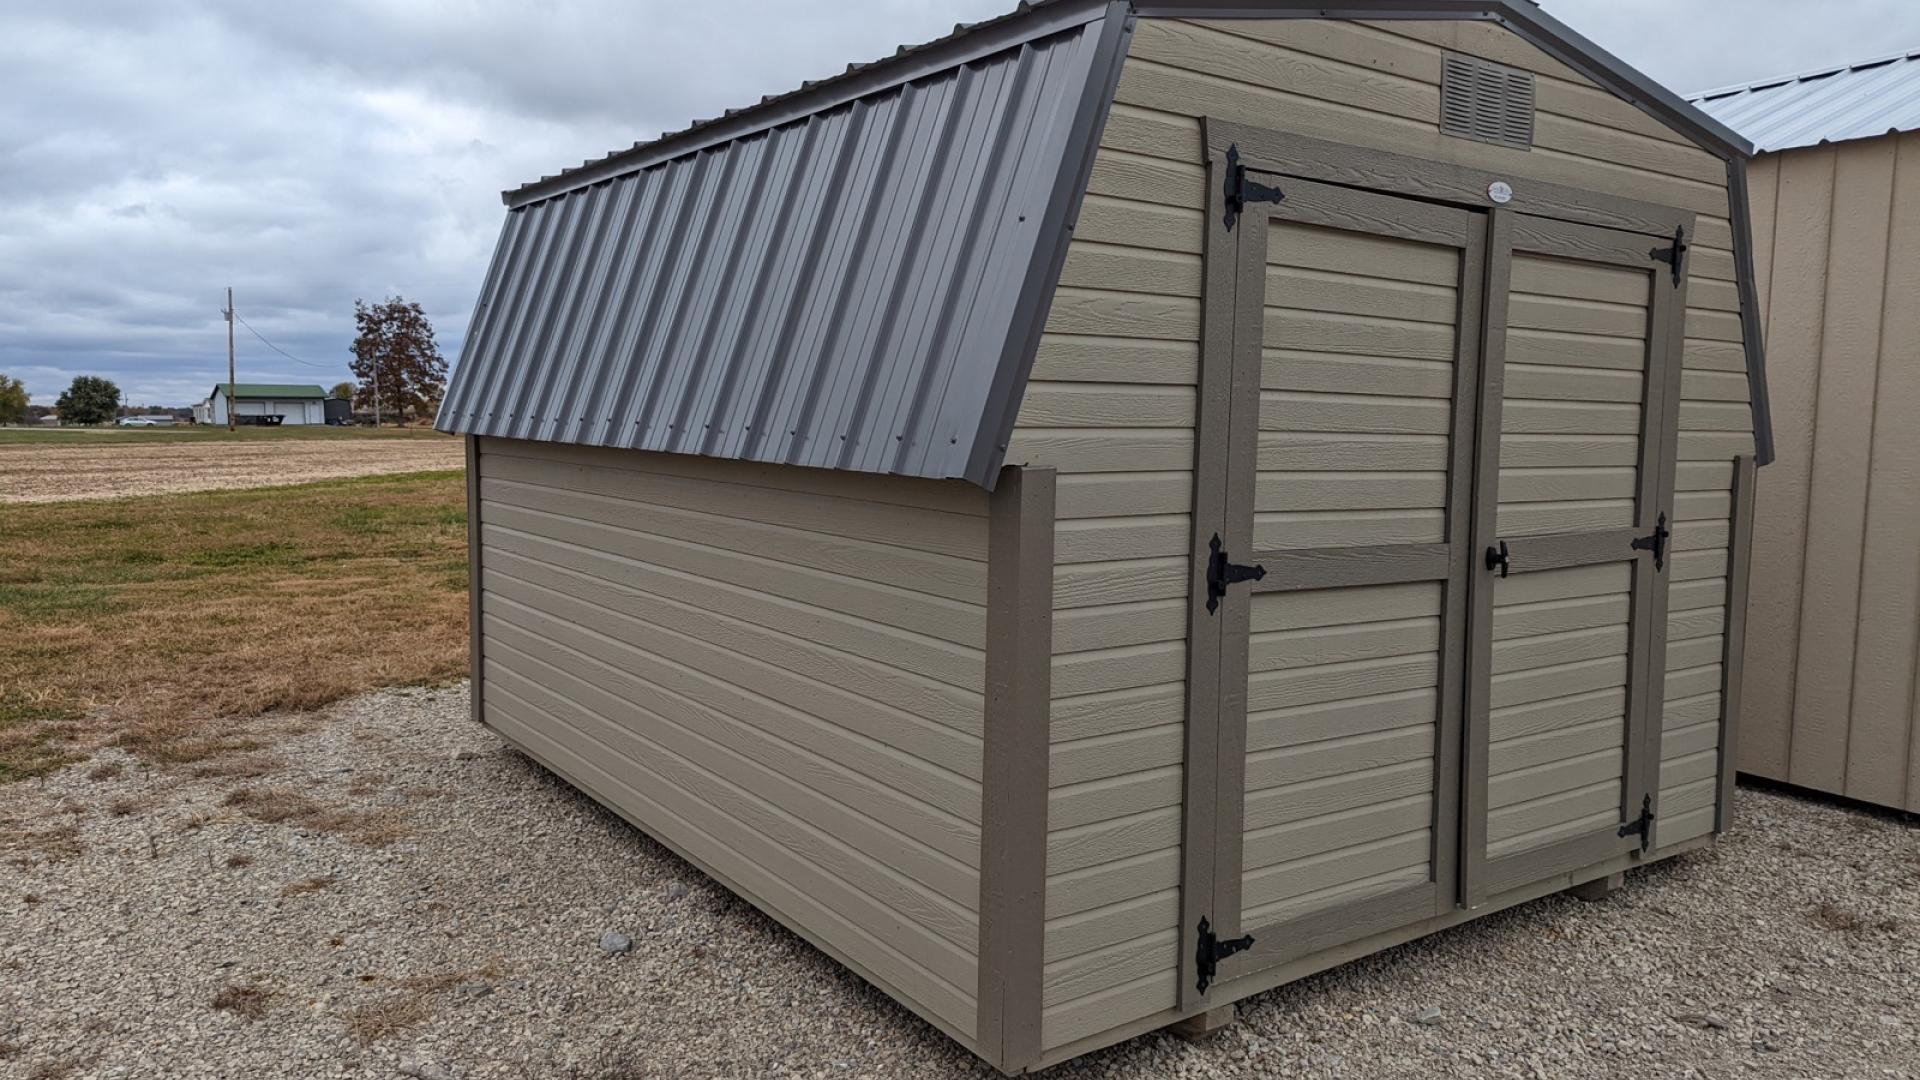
[398, 366]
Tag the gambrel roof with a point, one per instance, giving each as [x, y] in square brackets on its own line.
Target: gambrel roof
[855, 275]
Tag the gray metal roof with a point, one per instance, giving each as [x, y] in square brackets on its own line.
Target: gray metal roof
[838, 291]
[855, 275]
[1826, 105]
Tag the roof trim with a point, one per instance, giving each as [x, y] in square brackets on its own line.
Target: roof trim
[1043, 17]
[966, 44]
[1524, 18]
[1009, 383]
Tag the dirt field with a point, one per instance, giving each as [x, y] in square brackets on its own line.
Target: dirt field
[36, 472]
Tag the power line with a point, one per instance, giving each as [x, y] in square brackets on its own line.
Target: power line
[281, 351]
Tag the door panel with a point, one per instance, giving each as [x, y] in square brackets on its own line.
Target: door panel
[1563, 662]
[1338, 760]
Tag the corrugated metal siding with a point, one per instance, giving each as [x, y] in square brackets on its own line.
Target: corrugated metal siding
[837, 292]
[1857, 101]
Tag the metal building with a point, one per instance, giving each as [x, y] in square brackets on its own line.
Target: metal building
[292, 404]
[1130, 504]
[1836, 561]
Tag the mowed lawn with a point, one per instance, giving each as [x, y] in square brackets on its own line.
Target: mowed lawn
[163, 623]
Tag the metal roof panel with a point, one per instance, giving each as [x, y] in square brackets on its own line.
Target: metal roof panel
[1826, 105]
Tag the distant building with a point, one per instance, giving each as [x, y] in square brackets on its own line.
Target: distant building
[292, 404]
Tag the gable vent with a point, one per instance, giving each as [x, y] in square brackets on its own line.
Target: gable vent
[1490, 102]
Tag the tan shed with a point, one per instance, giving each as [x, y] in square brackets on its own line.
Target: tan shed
[1128, 505]
[1831, 661]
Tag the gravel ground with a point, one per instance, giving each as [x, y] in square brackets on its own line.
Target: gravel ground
[393, 893]
[36, 472]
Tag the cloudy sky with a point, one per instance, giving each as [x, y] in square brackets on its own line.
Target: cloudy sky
[154, 152]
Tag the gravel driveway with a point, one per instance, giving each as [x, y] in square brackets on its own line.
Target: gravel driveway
[411, 899]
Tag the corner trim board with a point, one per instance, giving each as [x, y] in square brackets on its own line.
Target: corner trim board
[475, 683]
[1014, 773]
[1733, 662]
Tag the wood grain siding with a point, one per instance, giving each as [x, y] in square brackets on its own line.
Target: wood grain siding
[1828, 687]
[1113, 400]
[778, 671]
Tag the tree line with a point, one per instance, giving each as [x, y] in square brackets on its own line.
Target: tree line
[399, 372]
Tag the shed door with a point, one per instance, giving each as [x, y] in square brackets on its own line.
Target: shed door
[1568, 643]
[1356, 336]
[1443, 438]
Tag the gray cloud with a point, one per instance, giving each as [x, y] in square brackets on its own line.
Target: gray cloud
[156, 152]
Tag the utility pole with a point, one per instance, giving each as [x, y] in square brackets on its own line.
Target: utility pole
[230, 376]
[376, 389]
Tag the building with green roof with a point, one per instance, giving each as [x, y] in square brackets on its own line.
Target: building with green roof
[292, 403]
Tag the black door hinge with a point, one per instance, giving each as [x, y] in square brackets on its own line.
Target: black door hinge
[1212, 950]
[1642, 825]
[1675, 256]
[1656, 542]
[1221, 573]
[1240, 191]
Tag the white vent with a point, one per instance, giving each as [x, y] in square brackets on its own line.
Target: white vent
[1490, 102]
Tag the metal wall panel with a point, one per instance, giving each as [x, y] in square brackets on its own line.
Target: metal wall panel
[837, 292]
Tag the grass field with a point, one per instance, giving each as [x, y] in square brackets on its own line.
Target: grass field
[56, 436]
[162, 623]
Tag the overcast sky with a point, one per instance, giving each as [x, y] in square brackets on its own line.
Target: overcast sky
[153, 152]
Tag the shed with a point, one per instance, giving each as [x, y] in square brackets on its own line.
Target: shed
[292, 404]
[1836, 561]
[1128, 505]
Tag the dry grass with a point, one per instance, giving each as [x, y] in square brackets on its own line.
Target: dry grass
[249, 1002]
[110, 770]
[285, 806]
[162, 624]
[308, 885]
[388, 1017]
[23, 841]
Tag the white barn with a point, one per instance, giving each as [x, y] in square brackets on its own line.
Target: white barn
[293, 404]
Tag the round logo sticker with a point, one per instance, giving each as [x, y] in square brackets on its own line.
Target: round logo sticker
[1500, 191]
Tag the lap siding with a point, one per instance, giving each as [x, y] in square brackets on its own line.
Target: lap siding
[1113, 394]
[779, 672]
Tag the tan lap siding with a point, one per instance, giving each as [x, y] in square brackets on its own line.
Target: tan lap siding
[776, 670]
[1112, 405]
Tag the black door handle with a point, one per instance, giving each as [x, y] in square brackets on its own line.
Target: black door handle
[1497, 559]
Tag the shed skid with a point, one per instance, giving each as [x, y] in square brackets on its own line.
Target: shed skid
[1328, 527]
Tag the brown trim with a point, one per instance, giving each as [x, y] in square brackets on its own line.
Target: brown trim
[1335, 207]
[1326, 568]
[1666, 358]
[1556, 551]
[1236, 609]
[1540, 235]
[1486, 507]
[1013, 787]
[1201, 768]
[1389, 173]
[1733, 664]
[475, 681]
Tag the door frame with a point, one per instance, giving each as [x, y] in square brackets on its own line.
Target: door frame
[1230, 370]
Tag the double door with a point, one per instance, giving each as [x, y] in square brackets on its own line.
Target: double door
[1431, 522]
